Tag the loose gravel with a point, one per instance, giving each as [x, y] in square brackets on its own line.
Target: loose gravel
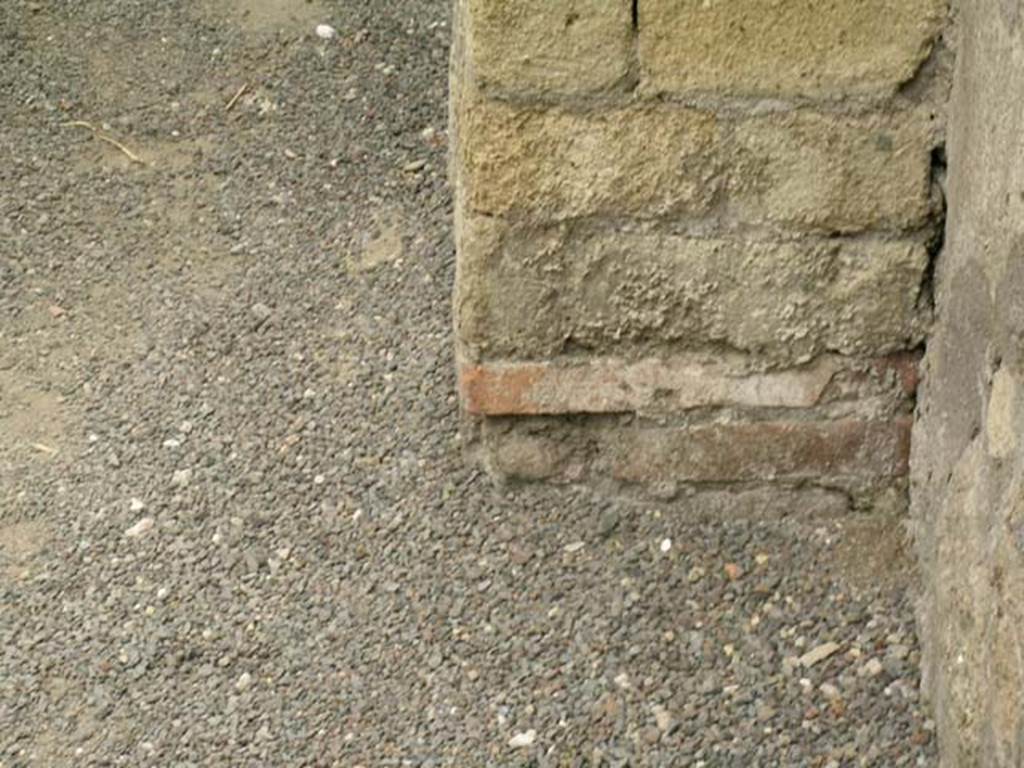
[236, 525]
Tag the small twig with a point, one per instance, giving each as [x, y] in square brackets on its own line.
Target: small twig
[44, 448]
[103, 137]
[236, 97]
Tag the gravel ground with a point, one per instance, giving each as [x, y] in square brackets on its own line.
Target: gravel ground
[236, 527]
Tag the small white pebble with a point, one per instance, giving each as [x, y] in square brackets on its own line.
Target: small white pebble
[141, 528]
[662, 717]
[319, 480]
[137, 505]
[818, 653]
[172, 443]
[829, 691]
[871, 668]
[666, 545]
[576, 546]
[244, 681]
[325, 31]
[522, 740]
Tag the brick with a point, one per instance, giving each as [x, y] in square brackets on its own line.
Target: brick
[781, 450]
[785, 49]
[526, 293]
[905, 366]
[856, 455]
[545, 48]
[650, 385]
[803, 171]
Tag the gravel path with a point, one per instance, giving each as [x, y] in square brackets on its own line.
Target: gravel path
[235, 525]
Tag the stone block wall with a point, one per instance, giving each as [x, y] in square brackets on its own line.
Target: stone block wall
[968, 457]
[695, 240]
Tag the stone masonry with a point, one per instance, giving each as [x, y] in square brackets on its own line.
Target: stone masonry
[968, 456]
[695, 242]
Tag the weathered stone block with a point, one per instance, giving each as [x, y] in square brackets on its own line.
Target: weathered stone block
[545, 48]
[799, 170]
[532, 293]
[785, 49]
[815, 172]
[555, 164]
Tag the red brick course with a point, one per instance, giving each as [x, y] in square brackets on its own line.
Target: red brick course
[763, 451]
[610, 385]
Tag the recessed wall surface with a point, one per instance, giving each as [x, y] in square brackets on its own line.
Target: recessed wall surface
[695, 239]
[968, 457]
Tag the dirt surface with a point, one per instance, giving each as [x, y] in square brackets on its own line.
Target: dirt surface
[236, 526]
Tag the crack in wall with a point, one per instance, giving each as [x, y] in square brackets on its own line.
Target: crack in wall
[926, 289]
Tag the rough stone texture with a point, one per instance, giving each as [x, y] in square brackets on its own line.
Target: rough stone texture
[968, 465]
[689, 217]
[816, 172]
[554, 164]
[830, 49]
[797, 170]
[547, 46]
[528, 293]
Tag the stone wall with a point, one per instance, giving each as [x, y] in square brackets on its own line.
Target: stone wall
[695, 241]
[968, 457]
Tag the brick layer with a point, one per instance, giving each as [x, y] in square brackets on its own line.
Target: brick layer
[610, 385]
[836, 452]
